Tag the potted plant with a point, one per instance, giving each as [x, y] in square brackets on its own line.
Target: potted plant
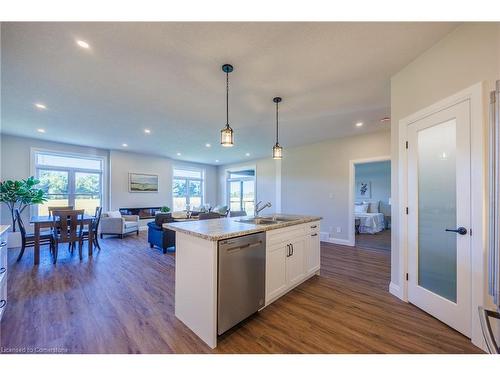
[20, 195]
[165, 209]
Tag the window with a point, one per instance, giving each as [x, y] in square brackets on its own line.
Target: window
[69, 181]
[241, 190]
[187, 189]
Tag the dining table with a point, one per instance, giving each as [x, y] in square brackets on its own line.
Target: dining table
[40, 222]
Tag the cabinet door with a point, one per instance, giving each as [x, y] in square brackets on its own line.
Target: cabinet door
[312, 257]
[276, 272]
[295, 270]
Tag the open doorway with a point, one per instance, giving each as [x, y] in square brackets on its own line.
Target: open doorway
[371, 204]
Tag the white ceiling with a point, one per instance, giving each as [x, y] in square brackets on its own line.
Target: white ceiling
[167, 77]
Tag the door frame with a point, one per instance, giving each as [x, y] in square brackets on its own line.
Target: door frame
[474, 95]
[351, 238]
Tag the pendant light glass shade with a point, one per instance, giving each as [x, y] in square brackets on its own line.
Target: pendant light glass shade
[226, 137]
[227, 134]
[277, 149]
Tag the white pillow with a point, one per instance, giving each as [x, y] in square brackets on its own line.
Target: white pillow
[179, 215]
[373, 207]
[361, 208]
[115, 214]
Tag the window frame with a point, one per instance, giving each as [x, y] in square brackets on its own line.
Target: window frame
[188, 182]
[72, 194]
[241, 180]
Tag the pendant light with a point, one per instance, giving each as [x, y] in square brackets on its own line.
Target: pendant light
[277, 149]
[226, 134]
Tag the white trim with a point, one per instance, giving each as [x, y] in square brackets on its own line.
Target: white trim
[352, 164]
[236, 169]
[324, 237]
[394, 290]
[473, 94]
[105, 186]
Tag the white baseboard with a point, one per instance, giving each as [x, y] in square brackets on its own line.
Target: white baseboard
[325, 237]
[395, 290]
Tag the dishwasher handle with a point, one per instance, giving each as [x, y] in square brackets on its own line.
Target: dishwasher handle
[245, 246]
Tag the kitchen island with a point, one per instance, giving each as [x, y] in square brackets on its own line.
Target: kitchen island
[292, 255]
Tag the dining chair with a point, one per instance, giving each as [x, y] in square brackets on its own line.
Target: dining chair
[51, 209]
[28, 239]
[94, 228]
[208, 215]
[67, 227]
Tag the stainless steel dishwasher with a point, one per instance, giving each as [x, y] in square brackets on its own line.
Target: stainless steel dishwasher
[242, 279]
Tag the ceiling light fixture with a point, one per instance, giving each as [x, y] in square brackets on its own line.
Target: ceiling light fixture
[359, 124]
[124, 145]
[147, 131]
[40, 130]
[40, 106]
[217, 160]
[247, 154]
[208, 145]
[83, 44]
[277, 149]
[179, 154]
[226, 134]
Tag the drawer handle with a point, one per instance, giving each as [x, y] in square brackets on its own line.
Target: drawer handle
[2, 270]
[313, 226]
[3, 243]
[314, 234]
[2, 303]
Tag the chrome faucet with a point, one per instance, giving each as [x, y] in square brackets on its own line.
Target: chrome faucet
[258, 209]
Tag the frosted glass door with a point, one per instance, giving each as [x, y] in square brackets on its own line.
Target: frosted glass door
[438, 227]
[437, 209]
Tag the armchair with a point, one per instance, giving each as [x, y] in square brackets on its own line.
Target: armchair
[114, 223]
[159, 237]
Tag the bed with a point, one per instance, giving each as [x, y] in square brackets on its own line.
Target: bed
[370, 222]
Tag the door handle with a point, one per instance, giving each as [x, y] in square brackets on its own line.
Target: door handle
[288, 250]
[460, 230]
[291, 245]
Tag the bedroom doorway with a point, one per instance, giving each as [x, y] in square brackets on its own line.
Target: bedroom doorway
[370, 187]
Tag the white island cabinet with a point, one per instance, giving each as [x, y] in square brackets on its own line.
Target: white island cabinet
[292, 256]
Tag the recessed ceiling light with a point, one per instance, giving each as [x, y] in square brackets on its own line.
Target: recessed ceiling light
[208, 145]
[247, 154]
[40, 130]
[147, 131]
[124, 145]
[179, 154]
[83, 44]
[359, 124]
[40, 106]
[217, 160]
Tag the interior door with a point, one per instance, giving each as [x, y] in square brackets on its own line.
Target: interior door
[439, 242]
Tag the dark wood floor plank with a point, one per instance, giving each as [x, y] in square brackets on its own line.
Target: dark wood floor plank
[122, 301]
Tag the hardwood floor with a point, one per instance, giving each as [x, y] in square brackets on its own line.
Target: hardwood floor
[379, 241]
[122, 301]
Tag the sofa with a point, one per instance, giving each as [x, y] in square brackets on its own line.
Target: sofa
[114, 223]
[159, 237]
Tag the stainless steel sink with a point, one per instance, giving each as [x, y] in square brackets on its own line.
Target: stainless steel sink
[279, 218]
[258, 220]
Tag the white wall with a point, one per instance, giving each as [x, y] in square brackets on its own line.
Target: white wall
[16, 164]
[468, 55]
[379, 176]
[315, 178]
[16, 160]
[267, 171]
[121, 163]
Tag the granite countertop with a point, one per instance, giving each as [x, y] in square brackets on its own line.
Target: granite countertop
[4, 228]
[220, 229]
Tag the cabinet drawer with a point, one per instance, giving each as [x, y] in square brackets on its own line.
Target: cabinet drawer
[312, 227]
[3, 256]
[278, 236]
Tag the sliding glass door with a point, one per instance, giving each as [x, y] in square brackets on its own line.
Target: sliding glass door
[241, 191]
